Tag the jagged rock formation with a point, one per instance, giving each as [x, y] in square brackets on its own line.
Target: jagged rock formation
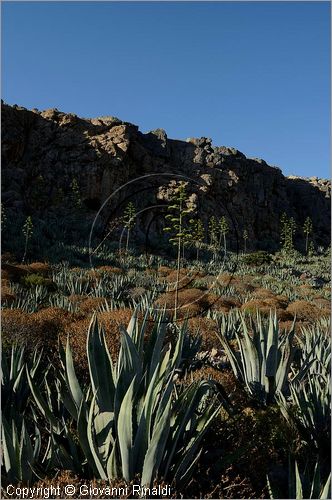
[42, 152]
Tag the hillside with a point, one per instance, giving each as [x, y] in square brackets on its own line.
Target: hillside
[43, 151]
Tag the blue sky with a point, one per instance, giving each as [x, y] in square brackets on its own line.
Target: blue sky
[252, 75]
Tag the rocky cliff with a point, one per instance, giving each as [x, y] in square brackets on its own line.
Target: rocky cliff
[42, 152]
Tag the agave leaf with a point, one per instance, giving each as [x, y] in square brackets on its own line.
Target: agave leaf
[156, 354]
[26, 455]
[326, 492]
[74, 386]
[142, 437]
[103, 423]
[113, 469]
[156, 448]
[125, 432]
[315, 484]
[91, 440]
[82, 428]
[298, 483]
[272, 347]
[100, 367]
[9, 453]
[41, 403]
[66, 396]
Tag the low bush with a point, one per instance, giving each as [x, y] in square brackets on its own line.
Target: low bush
[257, 258]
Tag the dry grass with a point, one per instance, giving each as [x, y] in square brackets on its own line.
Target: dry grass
[41, 268]
[109, 270]
[33, 329]
[252, 306]
[7, 294]
[207, 329]
[89, 304]
[186, 277]
[13, 273]
[191, 301]
[304, 310]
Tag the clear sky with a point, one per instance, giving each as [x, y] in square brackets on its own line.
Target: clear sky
[251, 75]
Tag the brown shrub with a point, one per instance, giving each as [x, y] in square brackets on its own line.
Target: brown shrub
[253, 305]
[77, 299]
[222, 303]
[284, 315]
[207, 328]
[305, 290]
[89, 304]
[275, 303]
[164, 270]
[8, 257]
[287, 325]
[109, 270]
[262, 293]
[191, 301]
[13, 273]
[33, 329]
[41, 268]
[322, 303]
[304, 310]
[7, 295]
[186, 277]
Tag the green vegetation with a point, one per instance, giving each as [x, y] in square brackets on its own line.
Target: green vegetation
[220, 380]
[307, 229]
[129, 220]
[27, 231]
[288, 228]
[177, 219]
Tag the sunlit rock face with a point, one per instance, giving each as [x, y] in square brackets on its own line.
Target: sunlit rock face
[43, 151]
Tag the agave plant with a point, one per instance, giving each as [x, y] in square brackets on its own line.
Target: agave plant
[14, 384]
[315, 347]
[305, 485]
[309, 409]
[132, 419]
[263, 360]
[20, 452]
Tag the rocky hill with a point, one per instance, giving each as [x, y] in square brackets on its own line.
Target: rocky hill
[42, 152]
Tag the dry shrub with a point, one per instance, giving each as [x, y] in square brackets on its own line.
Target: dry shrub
[275, 303]
[7, 295]
[89, 304]
[221, 303]
[67, 477]
[284, 315]
[13, 273]
[304, 310]
[305, 290]
[77, 299]
[283, 299]
[255, 438]
[8, 257]
[262, 293]
[287, 325]
[164, 270]
[207, 328]
[257, 305]
[41, 268]
[186, 277]
[322, 303]
[76, 270]
[33, 329]
[109, 270]
[191, 301]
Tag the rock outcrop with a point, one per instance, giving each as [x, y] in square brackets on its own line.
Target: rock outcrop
[42, 152]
